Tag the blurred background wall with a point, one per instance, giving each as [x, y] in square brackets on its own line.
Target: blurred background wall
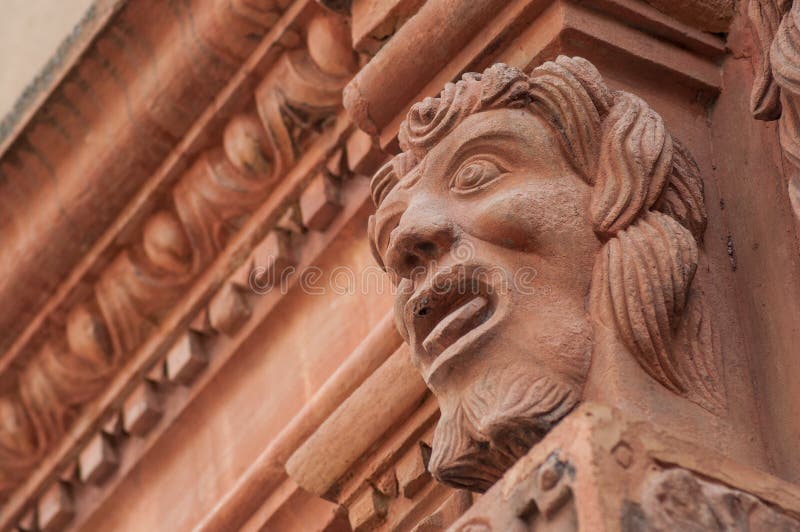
[30, 34]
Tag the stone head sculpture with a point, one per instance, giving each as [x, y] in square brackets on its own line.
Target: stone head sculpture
[525, 214]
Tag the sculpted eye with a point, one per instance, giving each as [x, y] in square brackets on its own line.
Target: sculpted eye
[475, 175]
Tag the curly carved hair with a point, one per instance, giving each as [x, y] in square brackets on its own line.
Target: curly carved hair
[647, 206]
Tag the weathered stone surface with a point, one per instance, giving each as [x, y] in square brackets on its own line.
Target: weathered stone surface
[614, 230]
[714, 16]
[494, 246]
[572, 480]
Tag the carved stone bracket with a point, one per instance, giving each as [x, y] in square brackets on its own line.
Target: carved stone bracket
[505, 369]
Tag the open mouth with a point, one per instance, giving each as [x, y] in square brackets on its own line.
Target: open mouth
[446, 312]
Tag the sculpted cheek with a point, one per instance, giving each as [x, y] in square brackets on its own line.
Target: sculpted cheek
[543, 216]
[507, 223]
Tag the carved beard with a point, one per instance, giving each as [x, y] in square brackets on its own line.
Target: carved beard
[484, 432]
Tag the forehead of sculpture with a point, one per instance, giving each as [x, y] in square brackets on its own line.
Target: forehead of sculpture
[517, 138]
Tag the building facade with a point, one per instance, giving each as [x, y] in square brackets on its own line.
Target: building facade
[405, 265]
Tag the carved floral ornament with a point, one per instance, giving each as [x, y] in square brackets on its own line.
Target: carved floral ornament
[557, 172]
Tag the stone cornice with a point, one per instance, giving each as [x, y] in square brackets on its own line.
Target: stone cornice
[687, 56]
[262, 136]
[140, 82]
[275, 126]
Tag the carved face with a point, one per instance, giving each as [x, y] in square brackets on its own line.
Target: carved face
[525, 211]
[494, 250]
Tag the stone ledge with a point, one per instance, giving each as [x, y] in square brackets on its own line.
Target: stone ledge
[602, 471]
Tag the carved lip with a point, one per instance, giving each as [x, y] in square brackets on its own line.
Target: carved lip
[453, 310]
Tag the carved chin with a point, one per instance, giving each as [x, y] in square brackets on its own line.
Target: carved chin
[482, 434]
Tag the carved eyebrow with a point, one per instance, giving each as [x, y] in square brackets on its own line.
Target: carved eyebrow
[478, 144]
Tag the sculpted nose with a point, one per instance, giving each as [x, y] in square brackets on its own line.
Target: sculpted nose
[419, 239]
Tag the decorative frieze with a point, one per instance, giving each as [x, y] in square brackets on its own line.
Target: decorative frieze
[139, 287]
[108, 124]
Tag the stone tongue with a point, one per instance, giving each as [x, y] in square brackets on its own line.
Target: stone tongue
[452, 326]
